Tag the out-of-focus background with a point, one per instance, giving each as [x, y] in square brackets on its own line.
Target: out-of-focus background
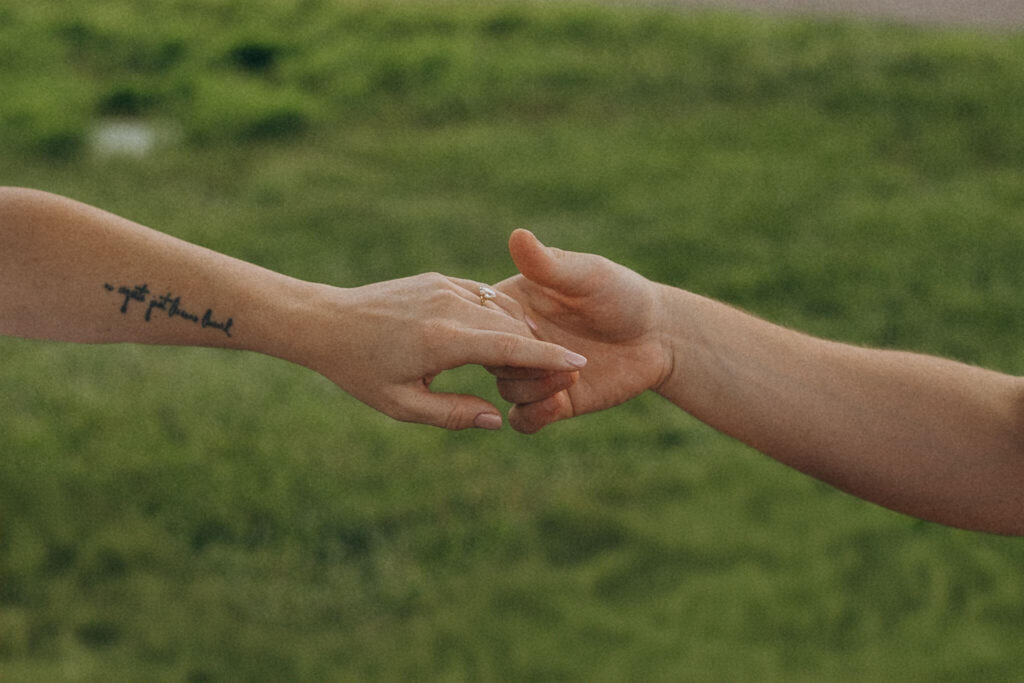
[195, 515]
[1000, 14]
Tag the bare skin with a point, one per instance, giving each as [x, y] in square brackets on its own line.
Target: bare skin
[926, 436]
[72, 272]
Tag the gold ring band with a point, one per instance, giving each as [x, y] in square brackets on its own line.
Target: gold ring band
[486, 294]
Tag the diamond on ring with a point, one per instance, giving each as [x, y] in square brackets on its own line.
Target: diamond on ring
[486, 293]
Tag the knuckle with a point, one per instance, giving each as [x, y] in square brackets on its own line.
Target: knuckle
[511, 346]
[433, 288]
[453, 419]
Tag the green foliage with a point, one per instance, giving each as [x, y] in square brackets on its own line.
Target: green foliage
[182, 514]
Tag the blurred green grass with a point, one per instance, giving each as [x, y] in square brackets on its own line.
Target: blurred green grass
[180, 514]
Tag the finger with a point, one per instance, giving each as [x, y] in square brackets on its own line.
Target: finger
[472, 315]
[497, 349]
[501, 300]
[534, 390]
[508, 372]
[448, 411]
[565, 271]
[529, 418]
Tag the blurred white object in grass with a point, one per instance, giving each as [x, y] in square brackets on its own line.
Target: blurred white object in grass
[128, 137]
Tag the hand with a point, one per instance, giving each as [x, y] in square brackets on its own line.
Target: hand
[385, 343]
[587, 303]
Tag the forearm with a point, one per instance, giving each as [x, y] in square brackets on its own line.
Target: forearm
[926, 436]
[71, 272]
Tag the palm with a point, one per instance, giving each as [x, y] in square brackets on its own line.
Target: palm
[610, 322]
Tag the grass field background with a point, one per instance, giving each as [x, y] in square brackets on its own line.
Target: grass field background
[195, 515]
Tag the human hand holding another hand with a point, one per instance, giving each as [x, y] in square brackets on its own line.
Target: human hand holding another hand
[385, 342]
[595, 307]
[923, 435]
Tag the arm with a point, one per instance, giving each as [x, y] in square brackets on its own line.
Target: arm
[926, 436]
[71, 272]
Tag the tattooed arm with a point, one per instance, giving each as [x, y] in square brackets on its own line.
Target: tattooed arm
[71, 272]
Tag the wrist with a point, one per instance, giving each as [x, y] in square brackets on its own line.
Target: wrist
[283, 319]
[676, 315]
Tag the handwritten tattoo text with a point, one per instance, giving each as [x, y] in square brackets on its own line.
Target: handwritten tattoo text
[169, 304]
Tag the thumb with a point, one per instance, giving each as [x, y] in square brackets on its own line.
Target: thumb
[450, 411]
[564, 271]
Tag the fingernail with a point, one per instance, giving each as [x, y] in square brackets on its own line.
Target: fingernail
[575, 359]
[530, 323]
[488, 421]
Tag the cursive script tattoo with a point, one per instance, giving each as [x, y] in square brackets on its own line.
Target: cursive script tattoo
[169, 304]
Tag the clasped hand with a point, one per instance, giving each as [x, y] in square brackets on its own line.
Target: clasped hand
[571, 334]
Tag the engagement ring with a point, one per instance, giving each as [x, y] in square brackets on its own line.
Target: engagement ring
[486, 293]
